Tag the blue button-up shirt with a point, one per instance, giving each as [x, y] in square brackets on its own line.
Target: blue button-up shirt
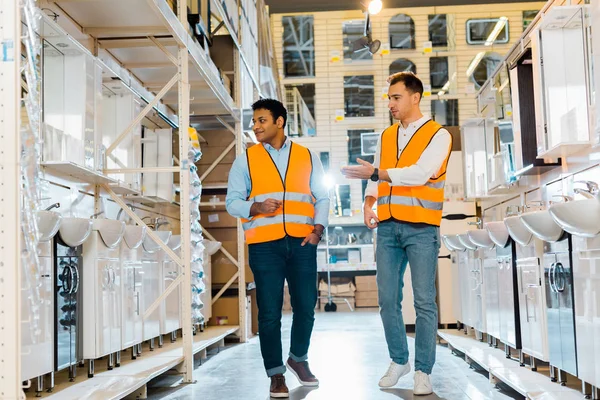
[238, 186]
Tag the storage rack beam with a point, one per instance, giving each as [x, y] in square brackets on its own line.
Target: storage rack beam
[10, 181]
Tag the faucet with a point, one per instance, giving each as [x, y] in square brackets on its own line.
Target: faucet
[564, 198]
[478, 223]
[55, 205]
[592, 191]
[159, 223]
[534, 203]
[513, 210]
[93, 216]
[132, 208]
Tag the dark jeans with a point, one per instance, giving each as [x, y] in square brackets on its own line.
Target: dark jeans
[272, 263]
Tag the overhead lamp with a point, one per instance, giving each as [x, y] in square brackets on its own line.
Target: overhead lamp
[496, 31]
[375, 7]
[367, 42]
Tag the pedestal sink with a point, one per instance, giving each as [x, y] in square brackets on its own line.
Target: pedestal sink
[151, 246]
[498, 232]
[453, 243]
[542, 225]
[580, 218]
[75, 231]
[517, 230]
[467, 242]
[174, 242]
[134, 236]
[481, 238]
[48, 224]
[111, 231]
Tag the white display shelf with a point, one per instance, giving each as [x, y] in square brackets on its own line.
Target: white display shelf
[123, 189]
[347, 267]
[67, 169]
[346, 246]
[134, 375]
[532, 385]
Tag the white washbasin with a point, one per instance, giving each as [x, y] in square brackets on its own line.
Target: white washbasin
[48, 223]
[464, 239]
[452, 243]
[111, 231]
[542, 225]
[151, 246]
[75, 231]
[174, 242]
[580, 218]
[134, 235]
[481, 238]
[517, 230]
[498, 232]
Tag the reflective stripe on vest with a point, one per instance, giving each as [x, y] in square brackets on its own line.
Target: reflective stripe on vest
[417, 204]
[296, 216]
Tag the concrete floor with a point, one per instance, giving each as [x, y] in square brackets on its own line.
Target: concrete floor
[348, 354]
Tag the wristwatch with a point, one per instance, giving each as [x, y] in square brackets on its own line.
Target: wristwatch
[375, 176]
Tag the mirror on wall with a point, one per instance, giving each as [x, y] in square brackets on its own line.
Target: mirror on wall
[341, 201]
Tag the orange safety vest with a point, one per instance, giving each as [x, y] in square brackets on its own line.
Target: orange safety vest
[296, 217]
[416, 204]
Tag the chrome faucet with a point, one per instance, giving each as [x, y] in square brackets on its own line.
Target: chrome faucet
[564, 198]
[55, 205]
[132, 208]
[93, 216]
[534, 203]
[513, 210]
[478, 223]
[159, 223]
[591, 192]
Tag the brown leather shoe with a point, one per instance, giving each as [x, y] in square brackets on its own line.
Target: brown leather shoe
[278, 388]
[302, 372]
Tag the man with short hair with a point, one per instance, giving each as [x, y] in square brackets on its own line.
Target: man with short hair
[407, 182]
[278, 190]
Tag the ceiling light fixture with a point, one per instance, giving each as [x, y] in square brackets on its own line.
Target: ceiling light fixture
[375, 7]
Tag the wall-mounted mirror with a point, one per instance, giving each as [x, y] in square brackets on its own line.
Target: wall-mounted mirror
[341, 201]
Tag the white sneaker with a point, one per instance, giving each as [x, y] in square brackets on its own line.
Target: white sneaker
[393, 374]
[422, 384]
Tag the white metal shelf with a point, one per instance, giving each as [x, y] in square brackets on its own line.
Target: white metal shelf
[216, 5]
[133, 375]
[347, 246]
[347, 267]
[67, 169]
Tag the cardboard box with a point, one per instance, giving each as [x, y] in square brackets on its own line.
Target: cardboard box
[366, 283]
[223, 268]
[211, 153]
[210, 219]
[226, 312]
[340, 289]
[218, 175]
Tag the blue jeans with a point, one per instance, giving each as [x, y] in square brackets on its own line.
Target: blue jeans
[399, 244]
[272, 263]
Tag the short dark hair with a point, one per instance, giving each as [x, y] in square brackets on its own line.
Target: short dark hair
[411, 81]
[276, 108]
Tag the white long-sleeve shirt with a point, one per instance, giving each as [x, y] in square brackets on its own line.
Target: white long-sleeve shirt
[429, 163]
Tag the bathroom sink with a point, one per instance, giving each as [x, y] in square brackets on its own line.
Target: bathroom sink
[174, 242]
[542, 225]
[517, 230]
[453, 243]
[481, 238]
[498, 232]
[48, 224]
[75, 231]
[151, 246]
[581, 218]
[468, 243]
[134, 235]
[111, 231]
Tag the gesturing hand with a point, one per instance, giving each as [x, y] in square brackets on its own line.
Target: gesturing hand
[362, 171]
